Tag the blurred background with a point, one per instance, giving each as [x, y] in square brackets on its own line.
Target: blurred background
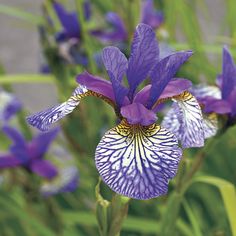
[38, 69]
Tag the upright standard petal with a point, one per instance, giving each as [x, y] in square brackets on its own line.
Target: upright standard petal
[163, 72]
[44, 119]
[116, 65]
[186, 121]
[138, 161]
[228, 75]
[68, 20]
[144, 55]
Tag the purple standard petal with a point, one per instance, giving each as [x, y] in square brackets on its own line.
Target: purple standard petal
[229, 74]
[9, 161]
[116, 65]
[44, 119]
[144, 55]
[68, 20]
[67, 180]
[43, 168]
[163, 72]
[39, 145]
[136, 113]
[150, 16]
[232, 101]
[138, 161]
[185, 120]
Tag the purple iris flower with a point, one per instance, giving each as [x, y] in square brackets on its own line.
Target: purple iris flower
[29, 155]
[150, 16]
[9, 106]
[138, 157]
[220, 99]
[118, 32]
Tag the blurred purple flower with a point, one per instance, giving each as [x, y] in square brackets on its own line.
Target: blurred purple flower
[137, 158]
[29, 155]
[220, 99]
[9, 106]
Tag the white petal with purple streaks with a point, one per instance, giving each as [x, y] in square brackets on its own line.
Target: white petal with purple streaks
[138, 161]
[44, 119]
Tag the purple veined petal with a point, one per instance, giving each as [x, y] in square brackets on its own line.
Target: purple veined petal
[202, 90]
[150, 16]
[9, 105]
[43, 168]
[136, 113]
[186, 121]
[228, 74]
[40, 144]
[9, 161]
[116, 65]
[138, 161]
[163, 72]
[210, 125]
[218, 106]
[44, 119]
[68, 20]
[144, 55]
[173, 88]
[67, 180]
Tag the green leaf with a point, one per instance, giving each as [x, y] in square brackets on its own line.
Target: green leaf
[192, 218]
[26, 78]
[228, 194]
[21, 14]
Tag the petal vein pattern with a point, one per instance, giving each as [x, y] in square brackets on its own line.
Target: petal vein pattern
[210, 125]
[138, 161]
[44, 119]
[185, 120]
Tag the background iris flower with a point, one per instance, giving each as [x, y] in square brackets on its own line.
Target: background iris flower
[137, 157]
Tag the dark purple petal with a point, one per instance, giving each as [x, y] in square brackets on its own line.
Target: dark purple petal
[116, 65]
[43, 168]
[136, 113]
[218, 106]
[40, 144]
[68, 20]
[150, 16]
[87, 9]
[185, 120]
[163, 72]
[118, 33]
[44, 119]
[229, 74]
[137, 161]
[96, 84]
[173, 88]
[144, 55]
[8, 161]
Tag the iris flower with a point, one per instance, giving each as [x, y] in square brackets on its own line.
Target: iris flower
[138, 157]
[118, 32]
[220, 99]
